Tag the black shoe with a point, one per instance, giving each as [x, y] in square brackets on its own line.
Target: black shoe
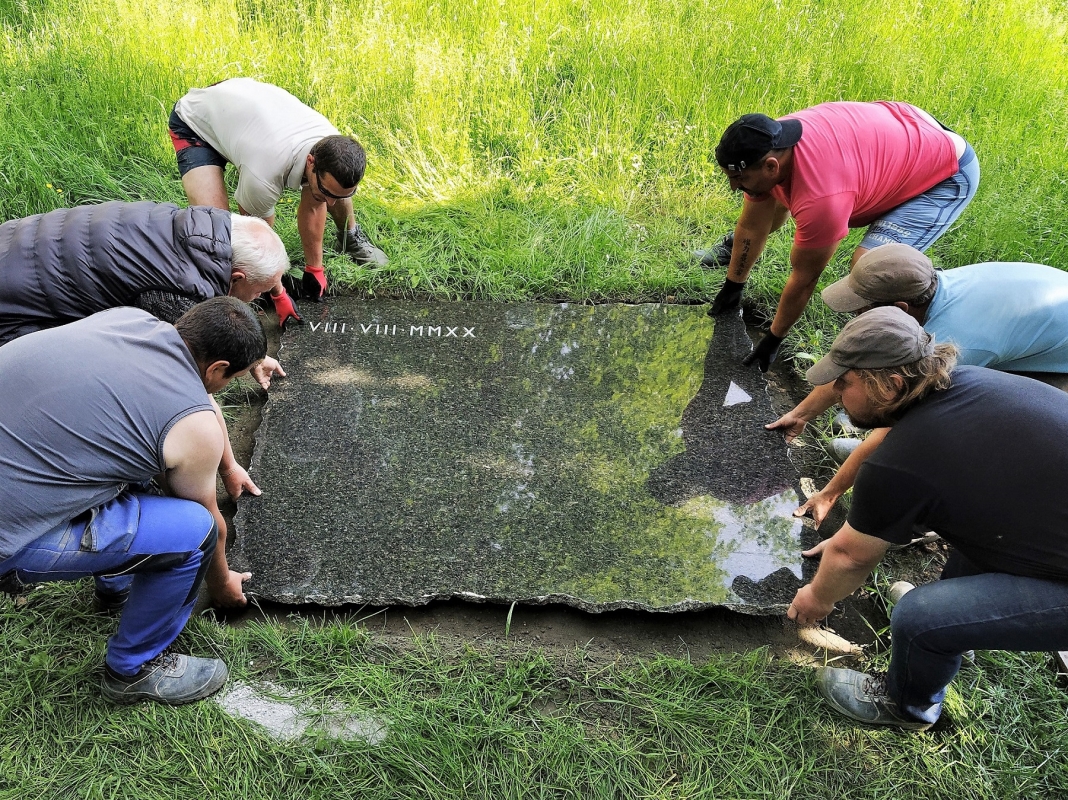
[863, 698]
[110, 602]
[719, 255]
[360, 249]
[168, 678]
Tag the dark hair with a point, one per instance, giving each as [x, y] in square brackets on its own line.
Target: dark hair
[223, 329]
[341, 156]
[927, 295]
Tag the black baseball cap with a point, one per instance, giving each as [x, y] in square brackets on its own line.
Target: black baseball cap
[753, 136]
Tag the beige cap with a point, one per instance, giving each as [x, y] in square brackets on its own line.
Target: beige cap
[888, 273]
[882, 337]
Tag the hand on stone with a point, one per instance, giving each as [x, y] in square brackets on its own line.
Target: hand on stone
[807, 609]
[816, 551]
[265, 370]
[818, 506]
[230, 594]
[728, 298]
[764, 353]
[237, 480]
[791, 424]
[285, 308]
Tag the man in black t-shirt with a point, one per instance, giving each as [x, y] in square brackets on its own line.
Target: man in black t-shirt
[976, 455]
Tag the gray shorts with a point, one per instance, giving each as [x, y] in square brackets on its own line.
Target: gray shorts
[921, 221]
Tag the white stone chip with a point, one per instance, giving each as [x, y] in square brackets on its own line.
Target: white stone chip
[735, 395]
[285, 717]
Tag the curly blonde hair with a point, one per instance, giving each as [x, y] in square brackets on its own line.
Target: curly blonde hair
[929, 374]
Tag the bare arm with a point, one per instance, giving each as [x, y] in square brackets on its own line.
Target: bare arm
[822, 501]
[192, 451]
[793, 422]
[750, 235]
[311, 222]
[806, 266]
[234, 477]
[848, 558]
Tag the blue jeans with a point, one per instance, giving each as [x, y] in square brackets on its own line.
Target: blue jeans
[921, 221]
[158, 546]
[934, 624]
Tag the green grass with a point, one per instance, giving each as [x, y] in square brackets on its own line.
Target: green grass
[499, 720]
[550, 150]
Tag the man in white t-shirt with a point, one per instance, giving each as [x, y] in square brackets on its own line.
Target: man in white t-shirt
[277, 143]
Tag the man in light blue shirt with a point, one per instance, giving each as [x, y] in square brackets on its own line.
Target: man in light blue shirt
[1011, 316]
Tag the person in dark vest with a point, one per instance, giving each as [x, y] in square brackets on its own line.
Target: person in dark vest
[72, 262]
[90, 410]
[974, 454]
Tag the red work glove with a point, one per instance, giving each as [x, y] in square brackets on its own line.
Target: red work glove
[313, 283]
[285, 309]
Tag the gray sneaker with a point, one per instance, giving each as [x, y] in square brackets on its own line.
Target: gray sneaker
[168, 678]
[899, 589]
[843, 447]
[842, 425]
[863, 698]
[360, 249]
[719, 255]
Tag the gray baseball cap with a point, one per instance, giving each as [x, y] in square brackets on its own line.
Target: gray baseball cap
[882, 337]
[885, 274]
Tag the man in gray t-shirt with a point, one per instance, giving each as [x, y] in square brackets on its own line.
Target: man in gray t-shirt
[277, 143]
[90, 409]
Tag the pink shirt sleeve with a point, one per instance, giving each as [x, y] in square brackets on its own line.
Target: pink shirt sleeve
[823, 221]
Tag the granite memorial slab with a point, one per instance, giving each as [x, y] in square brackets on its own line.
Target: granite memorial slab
[609, 456]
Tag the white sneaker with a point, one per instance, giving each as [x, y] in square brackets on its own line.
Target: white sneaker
[899, 590]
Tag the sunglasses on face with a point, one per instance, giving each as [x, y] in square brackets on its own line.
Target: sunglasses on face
[323, 190]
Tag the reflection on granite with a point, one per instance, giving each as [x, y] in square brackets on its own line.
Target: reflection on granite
[600, 456]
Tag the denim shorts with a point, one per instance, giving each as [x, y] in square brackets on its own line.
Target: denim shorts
[190, 149]
[921, 221]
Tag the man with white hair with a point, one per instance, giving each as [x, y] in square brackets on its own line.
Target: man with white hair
[70, 263]
[952, 464]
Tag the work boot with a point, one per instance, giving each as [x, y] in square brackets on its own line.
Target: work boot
[719, 255]
[168, 678]
[110, 602]
[359, 248]
[863, 698]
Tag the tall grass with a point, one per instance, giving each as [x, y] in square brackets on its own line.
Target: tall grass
[545, 149]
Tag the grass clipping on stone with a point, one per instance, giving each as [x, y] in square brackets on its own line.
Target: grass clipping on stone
[496, 720]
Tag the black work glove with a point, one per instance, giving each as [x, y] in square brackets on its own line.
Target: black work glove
[764, 353]
[728, 299]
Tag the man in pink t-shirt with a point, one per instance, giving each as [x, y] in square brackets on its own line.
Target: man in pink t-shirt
[833, 167]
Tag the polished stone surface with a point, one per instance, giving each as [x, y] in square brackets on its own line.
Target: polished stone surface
[600, 456]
